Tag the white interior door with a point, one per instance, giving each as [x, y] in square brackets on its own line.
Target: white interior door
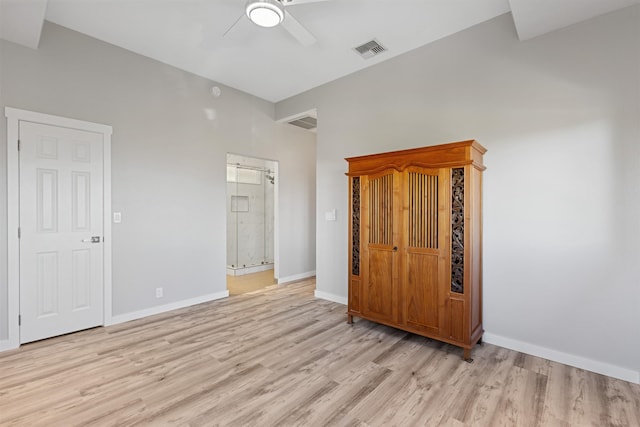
[61, 230]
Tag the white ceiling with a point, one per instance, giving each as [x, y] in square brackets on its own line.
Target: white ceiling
[268, 62]
[537, 17]
[21, 21]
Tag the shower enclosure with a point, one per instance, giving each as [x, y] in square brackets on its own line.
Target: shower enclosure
[250, 214]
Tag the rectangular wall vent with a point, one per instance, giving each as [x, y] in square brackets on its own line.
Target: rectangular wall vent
[306, 122]
[370, 49]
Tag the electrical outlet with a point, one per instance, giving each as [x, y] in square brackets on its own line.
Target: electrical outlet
[159, 293]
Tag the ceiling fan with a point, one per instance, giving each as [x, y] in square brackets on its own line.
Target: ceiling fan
[270, 13]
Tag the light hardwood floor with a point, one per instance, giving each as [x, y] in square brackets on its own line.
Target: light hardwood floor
[281, 357]
[250, 282]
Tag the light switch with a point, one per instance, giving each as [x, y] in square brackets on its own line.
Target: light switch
[117, 217]
[331, 215]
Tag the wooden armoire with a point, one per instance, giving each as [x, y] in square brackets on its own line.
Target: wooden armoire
[415, 258]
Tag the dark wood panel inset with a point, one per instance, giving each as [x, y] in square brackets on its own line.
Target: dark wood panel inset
[355, 226]
[457, 230]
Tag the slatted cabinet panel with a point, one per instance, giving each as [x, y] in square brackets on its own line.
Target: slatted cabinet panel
[416, 241]
[380, 256]
[423, 210]
[424, 264]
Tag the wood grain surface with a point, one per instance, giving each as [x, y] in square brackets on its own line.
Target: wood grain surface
[279, 357]
[250, 282]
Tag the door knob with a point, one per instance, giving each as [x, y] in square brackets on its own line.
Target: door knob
[93, 239]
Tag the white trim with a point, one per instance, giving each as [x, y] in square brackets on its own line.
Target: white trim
[13, 243]
[564, 358]
[107, 245]
[295, 277]
[276, 221]
[47, 119]
[121, 318]
[14, 117]
[330, 297]
[7, 345]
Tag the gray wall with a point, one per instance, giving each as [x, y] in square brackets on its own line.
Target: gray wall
[560, 117]
[168, 162]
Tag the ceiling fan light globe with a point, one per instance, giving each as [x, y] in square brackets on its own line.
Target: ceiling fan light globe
[265, 13]
[264, 17]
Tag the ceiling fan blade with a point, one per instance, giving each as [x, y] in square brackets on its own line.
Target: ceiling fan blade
[233, 25]
[295, 2]
[296, 29]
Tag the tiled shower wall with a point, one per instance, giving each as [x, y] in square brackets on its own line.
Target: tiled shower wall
[250, 220]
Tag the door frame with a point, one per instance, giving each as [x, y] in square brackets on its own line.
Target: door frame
[14, 117]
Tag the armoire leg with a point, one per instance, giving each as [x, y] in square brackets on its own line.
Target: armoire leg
[467, 355]
[349, 319]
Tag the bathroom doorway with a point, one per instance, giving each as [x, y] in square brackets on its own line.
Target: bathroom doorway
[252, 191]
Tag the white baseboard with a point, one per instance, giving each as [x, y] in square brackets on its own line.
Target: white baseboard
[564, 358]
[330, 297]
[8, 345]
[295, 277]
[121, 318]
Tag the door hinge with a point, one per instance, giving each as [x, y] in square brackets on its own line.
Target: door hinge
[19, 320]
[18, 145]
[19, 233]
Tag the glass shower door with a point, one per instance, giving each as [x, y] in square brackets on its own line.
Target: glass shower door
[250, 216]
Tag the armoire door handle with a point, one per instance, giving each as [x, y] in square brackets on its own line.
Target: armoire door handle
[395, 248]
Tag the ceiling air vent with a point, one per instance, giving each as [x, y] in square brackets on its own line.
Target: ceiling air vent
[370, 49]
[305, 122]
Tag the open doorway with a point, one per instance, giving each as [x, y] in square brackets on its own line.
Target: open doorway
[252, 185]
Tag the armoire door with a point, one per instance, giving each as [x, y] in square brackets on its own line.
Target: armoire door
[425, 249]
[380, 203]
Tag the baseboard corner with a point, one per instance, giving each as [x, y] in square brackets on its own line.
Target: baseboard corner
[330, 297]
[7, 344]
[296, 277]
